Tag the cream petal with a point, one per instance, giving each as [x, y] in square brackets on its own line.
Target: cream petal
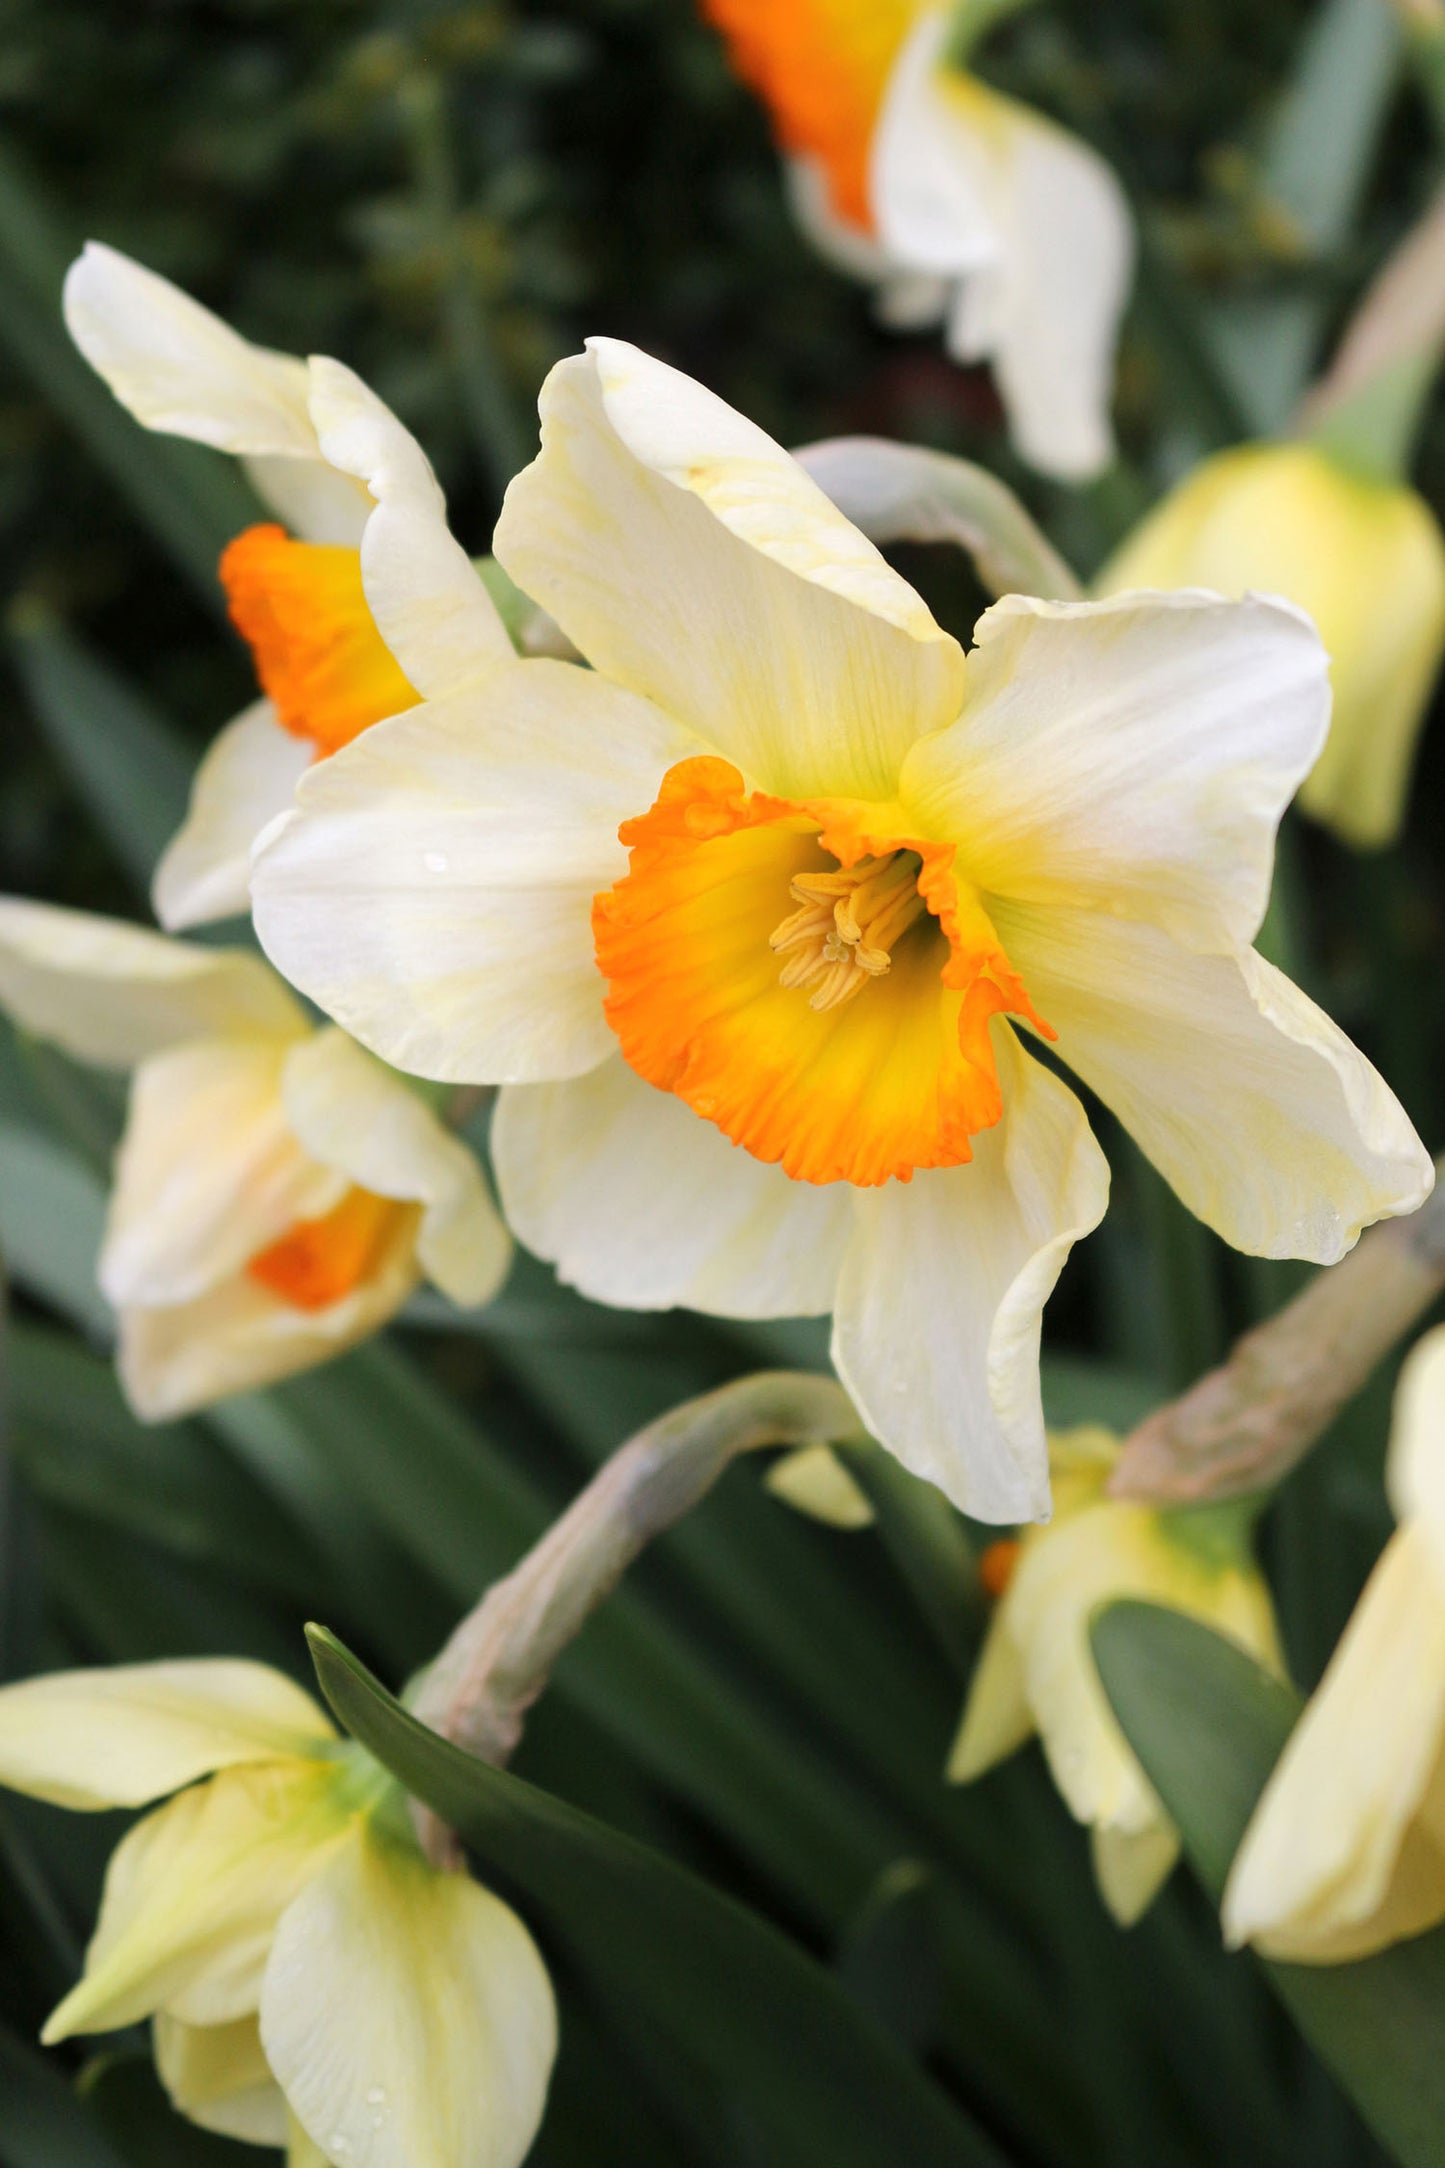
[941, 1295]
[1131, 1866]
[1415, 1474]
[219, 2077]
[997, 1719]
[237, 1337]
[1258, 1111]
[209, 1172]
[1346, 1850]
[689, 558]
[408, 2015]
[1132, 756]
[124, 1736]
[193, 1894]
[179, 368]
[433, 889]
[813, 1480]
[247, 777]
[351, 1113]
[932, 178]
[422, 589]
[640, 1202]
[313, 500]
[112, 993]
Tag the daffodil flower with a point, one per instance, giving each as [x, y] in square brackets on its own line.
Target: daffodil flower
[1346, 1850]
[747, 919]
[278, 1193]
[312, 1981]
[295, 590]
[960, 204]
[1036, 1672]
[1364, 556]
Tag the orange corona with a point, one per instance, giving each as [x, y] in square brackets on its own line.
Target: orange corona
[317, 1262]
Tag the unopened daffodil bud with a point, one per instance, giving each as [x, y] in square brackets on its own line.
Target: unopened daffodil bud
[312, 1982]
[278, 1193]
[1366, 558]
[1037, 1674]
[299, 592]
[959, 204]
[1345, 1853]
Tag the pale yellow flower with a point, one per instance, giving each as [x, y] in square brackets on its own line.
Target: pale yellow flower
[312, 1982]
[278, 1193]
[747, 918]
[959, 204]
[1036, 1672]
[1346, 1850]
[1366, 558]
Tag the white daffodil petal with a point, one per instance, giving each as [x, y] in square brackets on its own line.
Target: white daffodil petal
[433, 889]
[239, 1336]
[422, 589]
[178, 367]
[124, 1736]
[1131, 1866]
[997, 1718]
[1257, 1110]
[1133, 756]
[932, 177]
[193, 1894]
[942, 1289]
[353, 1114]
[315, 502]
[1346, 1850]
[846, 246]
[209, 1172]
[111, 993]
[248, 776]
[408, 2015]
[1415, 1475]
[640, 1202]
[219, 2077]
[688, 557]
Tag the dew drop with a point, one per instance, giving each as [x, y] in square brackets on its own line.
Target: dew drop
[340, 2145]
[376, 2098]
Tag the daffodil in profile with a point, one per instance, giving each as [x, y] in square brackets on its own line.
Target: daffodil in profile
[1036, 1672]
[278, 1193]
[958, 203]
[1365, 556]
[294, 587]
[755, 918]
[1345, 1853]
[312, 1982]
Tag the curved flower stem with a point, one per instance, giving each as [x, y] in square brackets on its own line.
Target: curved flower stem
[1244, 1426]
[478, 1691]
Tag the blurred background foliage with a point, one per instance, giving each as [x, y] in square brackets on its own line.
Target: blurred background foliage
[451, 197]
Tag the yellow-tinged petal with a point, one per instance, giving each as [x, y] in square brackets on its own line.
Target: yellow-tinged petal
[112, 993]
[1365, 558]
[124, 1736]
[219, 2077]
[408, 2015]
[433, 889]
[246, 777]
[193, 1894]
[814, 1481]
[1345, 1853]
[1133, 756]
[209, 1171]
[1415, 1475]
[352, 1114]
[1258, 1111]
[997, 1718]
[1131, 1866]
[657, 522]
[941, 1294]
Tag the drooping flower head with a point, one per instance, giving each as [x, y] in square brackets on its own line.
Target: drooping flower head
[958, 203]
[278, 1193]
[312, 1982]
[1036, 1671]
[749, 918]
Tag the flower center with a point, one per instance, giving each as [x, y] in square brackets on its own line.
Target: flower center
[318, 1261]
[841, 938]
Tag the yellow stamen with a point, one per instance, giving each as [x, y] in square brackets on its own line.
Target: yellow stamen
[849, 920]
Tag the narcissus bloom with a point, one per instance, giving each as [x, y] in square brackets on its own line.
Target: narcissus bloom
[748, 918]
[278, 1194]
[1366, 558]
[312, 1982]
[1036, 1671]
[1346, 1850]
[959, 203]
[295, 590]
